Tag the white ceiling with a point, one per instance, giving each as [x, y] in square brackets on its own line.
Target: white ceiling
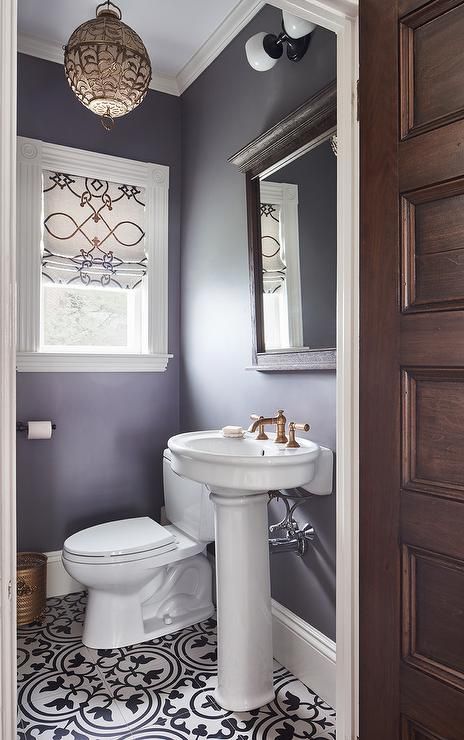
[172, 30]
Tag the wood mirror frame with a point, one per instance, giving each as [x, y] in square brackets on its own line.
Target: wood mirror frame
[311, 124]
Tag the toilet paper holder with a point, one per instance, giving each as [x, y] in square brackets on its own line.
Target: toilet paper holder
[23, 426]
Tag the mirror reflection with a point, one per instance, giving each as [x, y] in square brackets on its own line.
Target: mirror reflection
[298, 216]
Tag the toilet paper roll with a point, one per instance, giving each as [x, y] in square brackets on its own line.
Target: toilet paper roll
[39, 429]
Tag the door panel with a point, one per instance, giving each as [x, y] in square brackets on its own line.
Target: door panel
[412, 731]
[433, 430]
[412, 370]
[431, 704]
[432, 93]
[433, 247]
[433, 586]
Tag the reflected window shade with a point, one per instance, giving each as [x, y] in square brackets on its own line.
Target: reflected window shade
[274, 267]
[93, 232]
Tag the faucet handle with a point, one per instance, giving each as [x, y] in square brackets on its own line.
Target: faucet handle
[292, 443]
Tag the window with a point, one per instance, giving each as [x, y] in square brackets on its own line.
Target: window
[94, 265]
[92, 261]
[275, 302]
[283, 320]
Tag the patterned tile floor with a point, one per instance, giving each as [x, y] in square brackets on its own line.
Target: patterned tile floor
[160, 690]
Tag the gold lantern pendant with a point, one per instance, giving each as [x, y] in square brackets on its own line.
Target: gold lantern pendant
[107, 65]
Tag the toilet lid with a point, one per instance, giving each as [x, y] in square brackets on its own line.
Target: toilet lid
[121, 538]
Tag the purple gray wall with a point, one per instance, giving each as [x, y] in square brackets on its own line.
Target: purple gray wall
[227, 106]
[104, 460]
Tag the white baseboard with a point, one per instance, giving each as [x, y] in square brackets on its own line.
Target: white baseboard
[304, 651]
[59, 583]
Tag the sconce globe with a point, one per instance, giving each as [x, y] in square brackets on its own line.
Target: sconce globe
[296, 27]
[257, 54]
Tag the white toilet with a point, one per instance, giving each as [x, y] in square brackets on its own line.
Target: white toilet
[145, 580]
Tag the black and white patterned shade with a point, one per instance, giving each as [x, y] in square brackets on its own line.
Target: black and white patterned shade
[93, 232]
[274, 267]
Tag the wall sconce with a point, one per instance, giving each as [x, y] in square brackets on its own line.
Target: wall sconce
[263, 50]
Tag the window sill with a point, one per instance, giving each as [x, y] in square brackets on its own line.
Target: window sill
[54, 362]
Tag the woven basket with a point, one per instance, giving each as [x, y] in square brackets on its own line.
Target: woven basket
[31, 588]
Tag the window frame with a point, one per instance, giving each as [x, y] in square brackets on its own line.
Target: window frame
[35, 156]
[286, 196]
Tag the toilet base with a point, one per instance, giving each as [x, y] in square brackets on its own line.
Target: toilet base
[175, 596]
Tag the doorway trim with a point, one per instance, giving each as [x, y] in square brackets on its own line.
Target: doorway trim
[339, 16]
[8, 30]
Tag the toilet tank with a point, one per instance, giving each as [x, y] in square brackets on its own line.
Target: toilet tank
[187, 504]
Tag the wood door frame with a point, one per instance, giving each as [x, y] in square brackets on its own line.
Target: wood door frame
[379, 364]
[341, 17]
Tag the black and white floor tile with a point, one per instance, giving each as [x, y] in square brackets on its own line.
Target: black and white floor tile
[160, 690]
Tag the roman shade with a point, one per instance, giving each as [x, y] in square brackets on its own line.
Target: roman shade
[274, 267]
[93, 232]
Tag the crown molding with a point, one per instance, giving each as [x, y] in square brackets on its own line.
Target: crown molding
[237, 19]
[53, 52]
[42, 49]
[165, 84]
[217, 42]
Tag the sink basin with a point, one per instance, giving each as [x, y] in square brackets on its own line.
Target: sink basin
[239, 473]
[244, 464]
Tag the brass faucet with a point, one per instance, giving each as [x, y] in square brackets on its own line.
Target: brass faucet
[280, 421]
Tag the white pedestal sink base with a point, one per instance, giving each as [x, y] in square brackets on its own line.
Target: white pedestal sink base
[245, 655]
[239, 472]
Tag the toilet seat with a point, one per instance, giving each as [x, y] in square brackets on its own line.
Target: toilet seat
[120, 541]
[184, 547]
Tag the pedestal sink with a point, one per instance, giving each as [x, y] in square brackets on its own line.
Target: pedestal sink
[239, 473]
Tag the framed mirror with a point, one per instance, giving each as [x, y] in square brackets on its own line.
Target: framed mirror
[291, 178]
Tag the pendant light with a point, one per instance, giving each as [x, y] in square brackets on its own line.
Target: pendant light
[107, 65]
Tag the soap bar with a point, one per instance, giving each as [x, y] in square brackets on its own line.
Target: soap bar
[231, 431]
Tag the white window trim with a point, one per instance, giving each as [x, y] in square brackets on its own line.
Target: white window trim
[286, 196]
[34, 157]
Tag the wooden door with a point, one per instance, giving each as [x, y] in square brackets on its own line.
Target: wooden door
[412, 370]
